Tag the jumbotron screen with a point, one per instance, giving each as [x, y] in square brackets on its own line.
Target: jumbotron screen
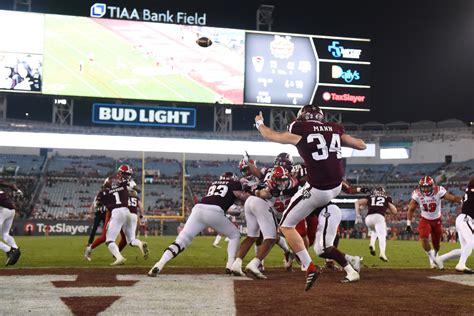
[121, 59]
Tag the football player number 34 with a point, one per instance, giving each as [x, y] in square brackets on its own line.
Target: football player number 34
[217, 190]
[323, 149]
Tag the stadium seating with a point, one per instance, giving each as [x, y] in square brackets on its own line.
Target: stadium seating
[11, 164]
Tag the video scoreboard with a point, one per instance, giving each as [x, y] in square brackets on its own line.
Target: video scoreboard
[122, 59]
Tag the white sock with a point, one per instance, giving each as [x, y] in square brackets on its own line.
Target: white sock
[237, 263]
[304, 258]
[373, 239]
[382, 246]
[4, 247]
[465, 253]
[431, 255]
[283, 245]
[456, 253]
[10, 241]
[136, 243]
[349, 269]
[167, 256]
[217, 240]
[255, 262]
[113, 248]
[232, 248]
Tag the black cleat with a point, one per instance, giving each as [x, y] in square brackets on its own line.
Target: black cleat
[372, 251]
[13, 256]
[154, 272]
[311, 276]
[227, 271]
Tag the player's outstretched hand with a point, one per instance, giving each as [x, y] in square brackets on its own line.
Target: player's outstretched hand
[364, 190]
[258, 120]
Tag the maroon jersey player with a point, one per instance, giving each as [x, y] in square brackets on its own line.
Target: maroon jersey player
[209, 212]
[378, 202]
[319, 144]
[7, 214]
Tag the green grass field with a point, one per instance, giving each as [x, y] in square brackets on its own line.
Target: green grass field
[68, 252]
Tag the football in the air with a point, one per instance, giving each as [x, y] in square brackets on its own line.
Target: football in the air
[204, 41]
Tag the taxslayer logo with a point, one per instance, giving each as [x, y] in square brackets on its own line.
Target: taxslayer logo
[282, 47]
[62, 228]
[29, 227]
[346, 97]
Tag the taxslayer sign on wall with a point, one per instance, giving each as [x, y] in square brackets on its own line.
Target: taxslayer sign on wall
[143, 115]
[51, 227]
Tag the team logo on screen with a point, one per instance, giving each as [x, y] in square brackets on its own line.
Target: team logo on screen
[258, 63]
[346, 97]
[282, 47]
[98, 10]
[347, 75]
[339, 51]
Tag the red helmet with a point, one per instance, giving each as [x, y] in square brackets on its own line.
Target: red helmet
[285, 160]
[244, 166]
[310, 113]
[426, 185]
[280, 177]
[125, 172]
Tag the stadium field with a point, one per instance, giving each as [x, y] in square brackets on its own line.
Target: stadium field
[62, 251]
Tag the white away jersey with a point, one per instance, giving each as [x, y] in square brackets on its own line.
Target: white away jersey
[430, 206]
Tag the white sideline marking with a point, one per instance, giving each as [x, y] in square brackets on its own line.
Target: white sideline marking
[164, 295]
[463, 279]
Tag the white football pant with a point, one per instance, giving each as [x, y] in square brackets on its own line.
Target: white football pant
[304, 202]
[6, 221]
[259, 217]
[378, 229]
[329, 220]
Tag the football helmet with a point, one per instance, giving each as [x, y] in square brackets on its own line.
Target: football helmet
[124, 172]
[244, 166]
[310, 113]
[426, 185]
[280, 177]
[379, 191]
[285, 160]
[228, 176]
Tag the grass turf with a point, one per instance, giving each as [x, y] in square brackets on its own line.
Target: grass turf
[62, 251]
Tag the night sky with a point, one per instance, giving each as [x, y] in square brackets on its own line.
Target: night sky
[423, 50]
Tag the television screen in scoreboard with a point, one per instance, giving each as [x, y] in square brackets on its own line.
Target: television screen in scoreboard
[295, 70]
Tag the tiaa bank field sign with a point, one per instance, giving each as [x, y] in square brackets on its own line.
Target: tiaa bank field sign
[143, 115]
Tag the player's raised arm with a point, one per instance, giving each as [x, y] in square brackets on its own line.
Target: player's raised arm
[452, 198]
[353, 142]
[358, 205]
[411, 209]
[274, 136]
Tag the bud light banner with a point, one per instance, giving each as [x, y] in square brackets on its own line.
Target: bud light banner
[143, 115]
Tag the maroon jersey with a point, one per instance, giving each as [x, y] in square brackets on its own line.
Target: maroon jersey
[133, 204]
[5, 201]
[220, 193]
[377, 203]
[468, 200]
[115, 193]
[320, 148]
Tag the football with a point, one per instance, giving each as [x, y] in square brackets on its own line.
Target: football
[204, 41]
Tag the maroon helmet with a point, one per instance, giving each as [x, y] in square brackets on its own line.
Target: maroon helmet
[285, 160]
[310, 113]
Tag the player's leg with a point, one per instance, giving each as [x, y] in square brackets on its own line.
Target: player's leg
[129, 234]
[101, 239]
[14, 252]
[465, 229]
[329, 220]
[217, 240]
[302, 230]
[223, 225]
[123, 241]
[436, 235]
[268, 227]
[253, 232]
[116, 222]
[97, 220]
[381, 231]
[424, 231]
[194, 225]
[370, 223]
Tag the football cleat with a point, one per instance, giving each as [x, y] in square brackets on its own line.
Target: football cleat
[120, 261]
[288, 261]
[439, 263]
[227, 271]
[433, 265]
[88, 253]
[351, 277]
[146, 251]
[383, 258]
[312, 273]
[236, 268]
[153, 272]
[464, 269]
[12, 256]
[255, 271]
[215, 246]
[372, 251]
